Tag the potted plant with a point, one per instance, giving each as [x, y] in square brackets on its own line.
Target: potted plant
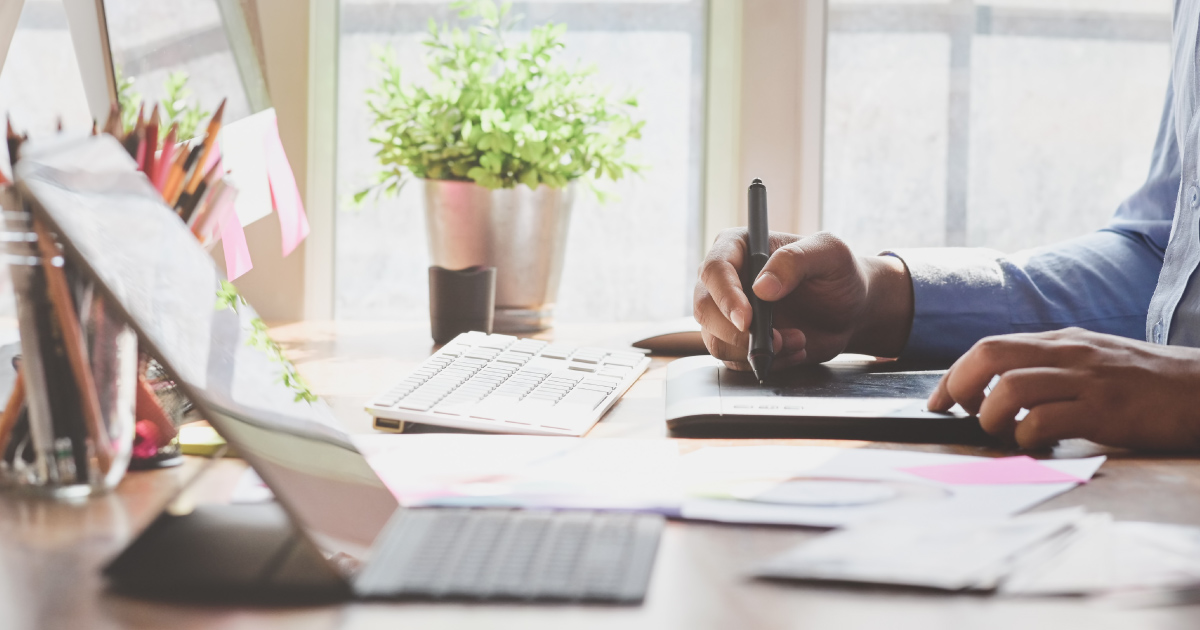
[500, 138]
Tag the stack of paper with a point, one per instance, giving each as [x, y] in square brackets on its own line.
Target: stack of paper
[782, 485]
[1064, 552]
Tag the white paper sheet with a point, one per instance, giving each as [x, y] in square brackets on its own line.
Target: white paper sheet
[649, 475]
[1112, 556]
[526, 471]
[951, 554]
[244, 156]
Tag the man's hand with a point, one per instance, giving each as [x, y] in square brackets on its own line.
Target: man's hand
[827, 300]
[1079, 384]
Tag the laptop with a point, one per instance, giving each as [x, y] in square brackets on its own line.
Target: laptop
[336, 530]
[853, 397]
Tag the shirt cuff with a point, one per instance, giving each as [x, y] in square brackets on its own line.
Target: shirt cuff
[958, 298]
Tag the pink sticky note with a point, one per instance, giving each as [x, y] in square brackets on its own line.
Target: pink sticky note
[293, 223]
[233, 241]
[1003, 470]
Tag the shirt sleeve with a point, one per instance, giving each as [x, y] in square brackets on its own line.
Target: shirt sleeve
[1102, 281]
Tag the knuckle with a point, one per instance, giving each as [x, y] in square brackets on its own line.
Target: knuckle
[731, 234]
[710, 266]
[989, 348]
[1077, 352]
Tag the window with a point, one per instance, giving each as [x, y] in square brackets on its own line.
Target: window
[152, 40]
[1002, 124]
[40, 85]
[40, 82]
[632, 259]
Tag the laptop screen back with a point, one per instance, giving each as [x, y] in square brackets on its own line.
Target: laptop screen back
[115, 227]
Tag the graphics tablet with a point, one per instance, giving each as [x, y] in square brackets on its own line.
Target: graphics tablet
[844, 399]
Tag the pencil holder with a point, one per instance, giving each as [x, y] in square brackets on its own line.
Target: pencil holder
[69, 422]
[461, 301]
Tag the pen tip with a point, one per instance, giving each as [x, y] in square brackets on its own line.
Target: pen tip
[756, 181]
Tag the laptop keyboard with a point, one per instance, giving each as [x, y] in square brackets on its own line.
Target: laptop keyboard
[503, 384]
[523, 555]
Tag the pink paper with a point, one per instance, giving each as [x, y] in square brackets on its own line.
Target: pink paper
[233, 241]
[293, 223]
[1003, 470]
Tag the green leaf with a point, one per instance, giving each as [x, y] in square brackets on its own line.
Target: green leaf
[501, 110]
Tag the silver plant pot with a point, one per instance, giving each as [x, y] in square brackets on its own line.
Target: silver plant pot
[519, 231]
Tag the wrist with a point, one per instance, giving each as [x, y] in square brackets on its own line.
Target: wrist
[888, 314]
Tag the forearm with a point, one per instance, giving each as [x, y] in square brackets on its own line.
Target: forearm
[1101, 282]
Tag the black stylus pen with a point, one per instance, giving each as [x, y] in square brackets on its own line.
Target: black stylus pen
[762, 338]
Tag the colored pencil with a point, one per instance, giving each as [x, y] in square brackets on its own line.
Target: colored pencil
[165, 160]
[149, 408]
[64, 310]
[214, 127]
[12, 411]
[14, 143]
[151, 142]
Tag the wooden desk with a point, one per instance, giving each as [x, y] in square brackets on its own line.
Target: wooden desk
[51, 553]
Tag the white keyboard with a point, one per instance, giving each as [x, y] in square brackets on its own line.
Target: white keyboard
[503, 384]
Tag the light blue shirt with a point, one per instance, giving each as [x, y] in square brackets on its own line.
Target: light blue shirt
[1112, 281]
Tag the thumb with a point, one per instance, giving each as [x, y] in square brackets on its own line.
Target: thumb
[805, 259]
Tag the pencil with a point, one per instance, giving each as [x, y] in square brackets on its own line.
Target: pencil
[151, 141]
[112, 126]
[12, 411]
[149, 408]
[64, 310]
[214, 127]
[188, 166]
[165, 160]
[14, 143]
[174, 175]
[189, 202]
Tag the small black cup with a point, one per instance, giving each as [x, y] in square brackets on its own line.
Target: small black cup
[461, 301]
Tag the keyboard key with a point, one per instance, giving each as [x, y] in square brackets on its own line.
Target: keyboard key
[606, 390]
[584, 398]
[514, 358]
[557, 352]
[529, 345]
[498, 342]
[417, 405]
[623, 360]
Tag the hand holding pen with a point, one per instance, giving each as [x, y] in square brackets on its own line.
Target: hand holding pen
[825, 299]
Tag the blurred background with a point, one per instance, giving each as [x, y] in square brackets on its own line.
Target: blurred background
[1005, 124]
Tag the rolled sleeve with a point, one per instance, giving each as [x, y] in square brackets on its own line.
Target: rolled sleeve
[958, 297]
[1101, 281]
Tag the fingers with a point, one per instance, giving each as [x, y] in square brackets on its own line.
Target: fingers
[722, 349]
[719, 275]
[1027, 388]
[818, 255]
[714, 322]
[1049, 423]
[734, 355]
[965, 381]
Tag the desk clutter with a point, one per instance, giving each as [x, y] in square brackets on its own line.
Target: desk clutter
[902, 518]
[85, 405]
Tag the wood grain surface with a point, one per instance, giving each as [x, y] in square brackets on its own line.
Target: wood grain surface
[51, 553]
